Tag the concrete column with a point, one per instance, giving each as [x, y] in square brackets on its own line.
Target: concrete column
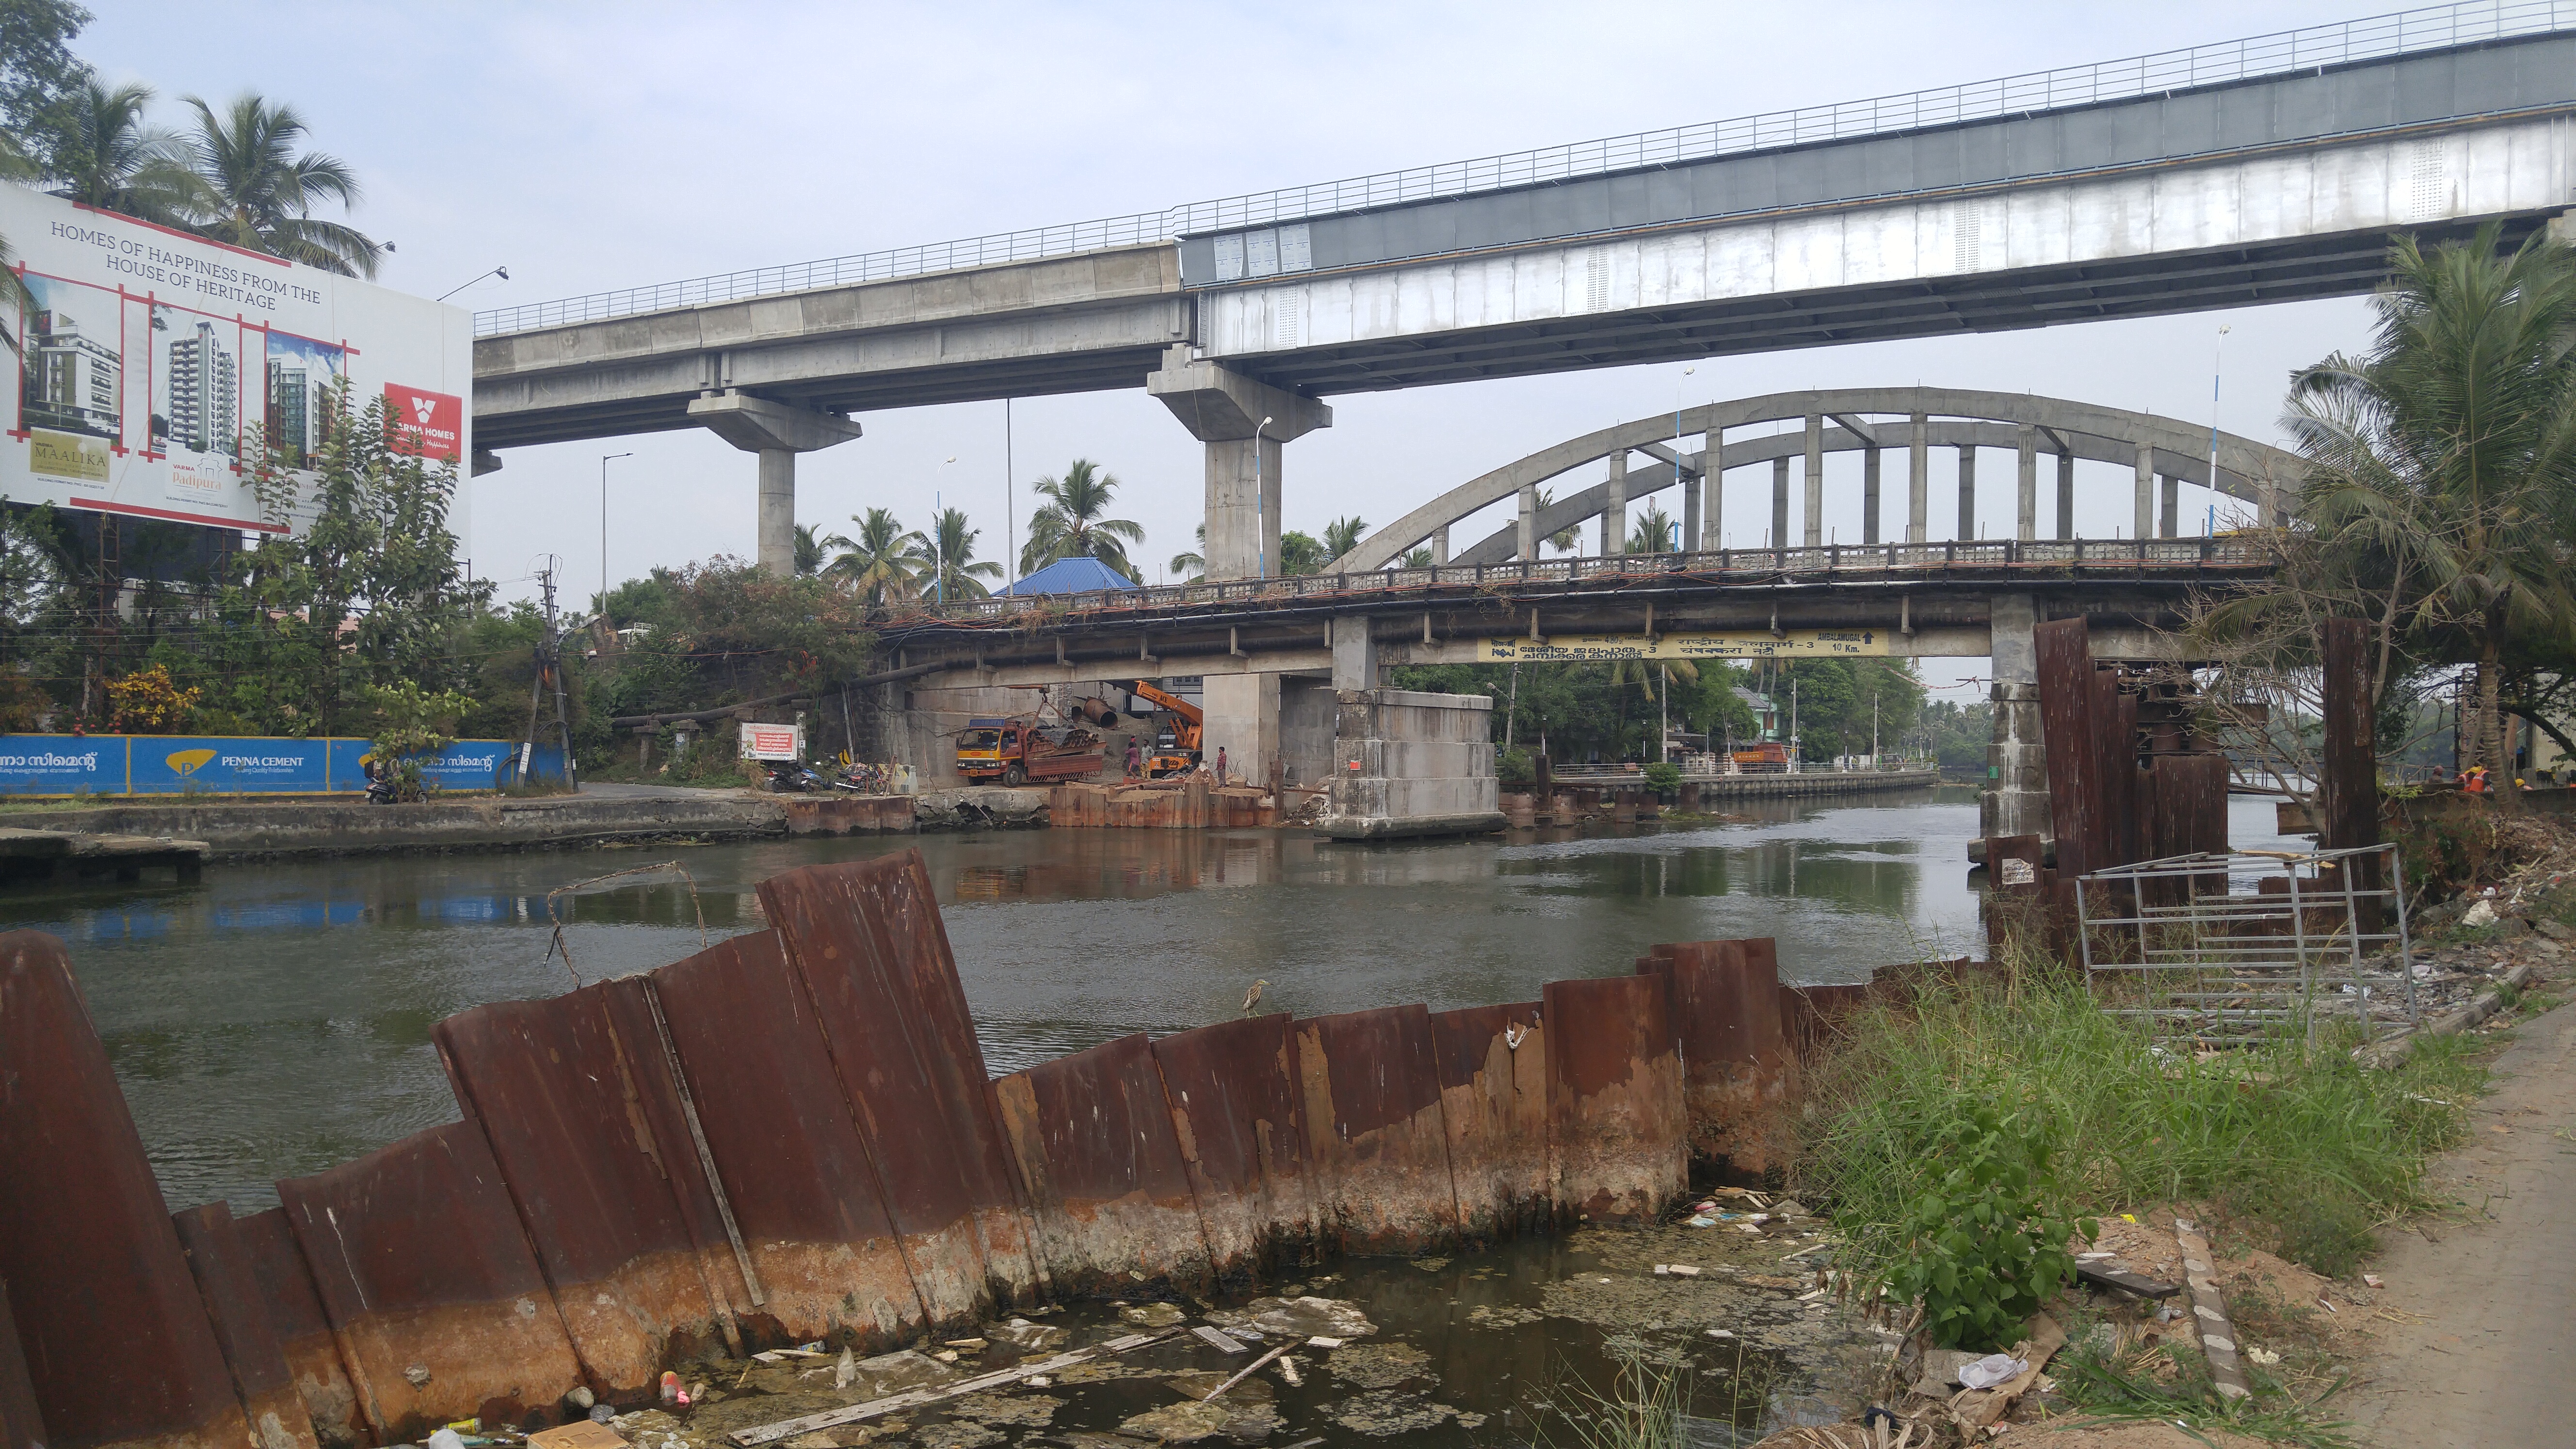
[2026, 486]
[1690, 504]
[1918, 485]
[1614, 513]
[1967, 493]
[1354, 653]
[1869, 495]
[2065, 494]
[777, 432]
[1440, 546]
[1712, 484]
[2015, 798]
[1527, 541]
[1243, 719]
[1815, 481]
[2169, 527]
[1779, 503]
[2146, 503]
[1244, 423]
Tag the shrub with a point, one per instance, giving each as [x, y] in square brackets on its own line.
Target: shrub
[1514, 767]
[1984, 1248]
[1663, 777]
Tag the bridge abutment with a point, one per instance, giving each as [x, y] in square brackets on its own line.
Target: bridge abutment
[777, 432]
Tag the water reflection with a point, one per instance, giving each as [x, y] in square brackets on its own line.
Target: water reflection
[274, 1020]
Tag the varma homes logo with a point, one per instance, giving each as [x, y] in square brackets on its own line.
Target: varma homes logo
[425, 424]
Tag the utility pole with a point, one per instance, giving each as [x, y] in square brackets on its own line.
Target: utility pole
[1512, 709]
[549, 666]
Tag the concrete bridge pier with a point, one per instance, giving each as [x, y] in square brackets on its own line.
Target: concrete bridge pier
[2015, 798]
[777, 432]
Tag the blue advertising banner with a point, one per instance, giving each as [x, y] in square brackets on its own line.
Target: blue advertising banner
[231, 765]
[62, 764]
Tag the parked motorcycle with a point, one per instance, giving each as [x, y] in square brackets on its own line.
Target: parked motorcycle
[792, 776]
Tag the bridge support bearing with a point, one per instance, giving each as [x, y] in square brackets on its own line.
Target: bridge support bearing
[1243, 421]
[2015, 798]
[777, 432]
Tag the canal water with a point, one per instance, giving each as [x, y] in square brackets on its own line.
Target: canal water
[274, 1020]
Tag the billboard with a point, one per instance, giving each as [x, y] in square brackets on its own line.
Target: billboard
[151, 358]
[235, 765]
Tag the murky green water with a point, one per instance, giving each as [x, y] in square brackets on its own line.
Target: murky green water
[275, 1020]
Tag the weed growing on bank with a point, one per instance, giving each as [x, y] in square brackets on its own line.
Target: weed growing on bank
[2299, 1147]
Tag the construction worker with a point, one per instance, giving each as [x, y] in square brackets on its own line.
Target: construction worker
[2474, 780]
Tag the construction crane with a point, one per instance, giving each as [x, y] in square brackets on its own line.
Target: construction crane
[1178, 746]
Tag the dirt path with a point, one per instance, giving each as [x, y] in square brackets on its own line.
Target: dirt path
[2486, 1355]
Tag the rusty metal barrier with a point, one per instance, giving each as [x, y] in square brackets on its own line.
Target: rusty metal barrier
[866, 939]
[688, 1163]
[1491, 1063]
[791, 1162]
[116, 1342]
[1738, 1072]
[1103, 1169]
[304, 1338]
[22, 1425]
[1617, 1127]
[553, 1087]
[1232, 1092]
[226, 1281]
[1374, 1135]
[430, 1285]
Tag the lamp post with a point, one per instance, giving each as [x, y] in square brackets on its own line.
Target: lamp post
[604, 461]
[1260, 522]
[502, 272]
[2217, 354]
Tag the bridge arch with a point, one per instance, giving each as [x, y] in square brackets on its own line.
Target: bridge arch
[1869, 420]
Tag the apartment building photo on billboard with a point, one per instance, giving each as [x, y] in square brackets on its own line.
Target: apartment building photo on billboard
[157, 365]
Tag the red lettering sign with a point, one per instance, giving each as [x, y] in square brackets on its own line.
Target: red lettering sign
[425, 424]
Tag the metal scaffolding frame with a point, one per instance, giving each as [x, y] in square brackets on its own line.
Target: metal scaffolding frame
[2216, 964]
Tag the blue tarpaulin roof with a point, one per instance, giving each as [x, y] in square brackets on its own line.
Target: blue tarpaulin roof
[1072, 576]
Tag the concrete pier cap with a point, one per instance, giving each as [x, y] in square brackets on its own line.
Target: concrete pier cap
[777, 432]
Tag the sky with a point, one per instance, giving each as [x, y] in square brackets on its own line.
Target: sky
[591, 147]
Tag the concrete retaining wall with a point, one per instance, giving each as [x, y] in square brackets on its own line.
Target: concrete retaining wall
[1409, 764]
[502, 823]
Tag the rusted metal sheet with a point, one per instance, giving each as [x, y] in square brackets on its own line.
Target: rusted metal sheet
[2067, 734]
[1232, 1091]
[1102, 1168]
[226, 1282]
[1374, 1135]
[790, 1157]
[430, 1286]
[1492, 1065]
[1616, 1125]
[1738, 1072]
[304, 1338]
[553, 1087]
[2115, 720]
[688, 1163]
[867, 939]
[22, 1425]
[115, 1340]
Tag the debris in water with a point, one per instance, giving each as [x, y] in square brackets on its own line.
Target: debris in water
[1299, 1318]
[1182, 1423]
[1378, 1365]
[1384, 1413]
[1152, 1315]
[1029, 1337]
[1033, 1411]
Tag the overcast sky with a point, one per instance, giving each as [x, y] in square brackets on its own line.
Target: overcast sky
[591, 147]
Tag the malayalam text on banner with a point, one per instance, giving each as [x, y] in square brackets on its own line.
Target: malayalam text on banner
[1747, 644]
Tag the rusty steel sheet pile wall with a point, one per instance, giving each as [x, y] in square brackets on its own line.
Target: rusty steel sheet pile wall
[866, 939]
[686, 1159]
[1232, 1090]
[553, 1088]
[1093, 1138]
[304, 1337]
[1616, 1125]
[430, 1285]
[22, 1424]
[115, 1339]
[1738, 1072]
[790, 1159]
[1492, 1067]
[1375, 1139]
[221, 1263]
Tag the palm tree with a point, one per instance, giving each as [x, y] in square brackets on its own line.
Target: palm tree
[2444, 461]
[1191, 566]
[1564, 540]
[878, 564]
[260, 193]
[14, 296]
[1654, 531]
[1300, 552]
[1071, 524]
[943, 563]
[1420, 558]
[1343, 534]
[111, 160]
[809, 551]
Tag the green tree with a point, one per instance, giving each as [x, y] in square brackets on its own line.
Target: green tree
[1564, 540]
[1653, 533]
[1420, 558]
[1300, 553]
[1189, 568]
[809, 552]
[1343, 534]
[1072, 523]
[38, 71]
[259, 190]
[105, 156]
[877, 565]
[943, 563]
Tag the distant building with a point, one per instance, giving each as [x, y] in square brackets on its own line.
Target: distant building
[204, 394]
[291, 412]
[1766, 713]
[71, 377]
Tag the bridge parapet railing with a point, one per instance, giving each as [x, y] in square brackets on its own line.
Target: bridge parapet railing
[1854, 563]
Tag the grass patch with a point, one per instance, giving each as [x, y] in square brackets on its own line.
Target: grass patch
[2304, 1150]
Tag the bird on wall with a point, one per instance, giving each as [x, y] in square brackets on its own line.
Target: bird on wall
[1253, 997]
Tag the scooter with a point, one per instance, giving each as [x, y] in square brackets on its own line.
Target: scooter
[786, 776]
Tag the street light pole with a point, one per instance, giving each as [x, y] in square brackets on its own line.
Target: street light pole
[2217, 354]
[604, 461]
[939, 535]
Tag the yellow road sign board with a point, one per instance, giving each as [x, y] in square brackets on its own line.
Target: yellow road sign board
[1746, 644]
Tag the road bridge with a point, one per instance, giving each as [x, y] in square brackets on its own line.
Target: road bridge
[2268, 169]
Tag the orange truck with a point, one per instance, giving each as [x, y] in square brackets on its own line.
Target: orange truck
[1017, 750]
[1770, 757]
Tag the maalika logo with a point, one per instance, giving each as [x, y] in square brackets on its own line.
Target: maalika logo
[184, 763]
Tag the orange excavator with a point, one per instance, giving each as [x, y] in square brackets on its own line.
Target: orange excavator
[1178, 747]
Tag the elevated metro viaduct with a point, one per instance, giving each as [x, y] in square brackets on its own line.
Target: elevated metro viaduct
[2269, 169]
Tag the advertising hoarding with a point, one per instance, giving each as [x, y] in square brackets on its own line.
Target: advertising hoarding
[773, 741]
[151, 359]
[236, 765]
